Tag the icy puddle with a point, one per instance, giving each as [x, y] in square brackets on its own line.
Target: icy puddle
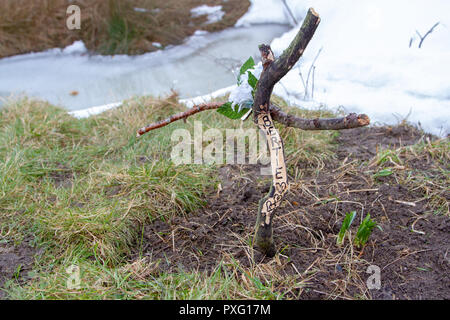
[76, 80]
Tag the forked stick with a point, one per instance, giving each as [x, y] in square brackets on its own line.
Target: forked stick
[264, 113]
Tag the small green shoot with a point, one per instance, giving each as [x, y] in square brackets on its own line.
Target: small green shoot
[349, 217]
[386, 156]
[364, 231]
[17, 272]
[383, 173]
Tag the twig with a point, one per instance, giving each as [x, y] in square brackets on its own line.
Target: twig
[277, 69]
[415, 252]
[414, 230]
[290, 12]
[309, 72]
[179, 116]
[361, 190]
[312, 85]
[407, 203]
[332, 295]
[348, 122]
[303, 80]
[351, 121]
[426, 34]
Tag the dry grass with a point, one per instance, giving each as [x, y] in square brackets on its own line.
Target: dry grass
[71, 179]
[85, 187]
[107, 27]
[405, 165]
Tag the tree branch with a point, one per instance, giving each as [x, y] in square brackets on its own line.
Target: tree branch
[179, 116]
[274, 70]
[422, 39]
[289, 120]
[290, 12]
[351, 121]
[264, 116]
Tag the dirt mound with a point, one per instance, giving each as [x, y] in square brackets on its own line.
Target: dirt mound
[410, 247]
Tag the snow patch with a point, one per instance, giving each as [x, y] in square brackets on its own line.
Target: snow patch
[77, 47]
[143, 10]
[85, 113]
[367, 64]
[243, 92]
[267, 11]
[214, 13]
[200, 32]
[207, 97]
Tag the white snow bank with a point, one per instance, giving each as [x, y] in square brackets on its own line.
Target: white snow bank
[202, 64]
[77, 47]
[366, 64]
[207, 97]
[214, 13]
[263, 12]
[85, 113]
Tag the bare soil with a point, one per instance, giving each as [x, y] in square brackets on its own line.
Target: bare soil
[413, 264]
[15, 262]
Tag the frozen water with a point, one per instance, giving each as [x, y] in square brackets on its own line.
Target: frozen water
[214, 14]
[203, 64]
[369, 62]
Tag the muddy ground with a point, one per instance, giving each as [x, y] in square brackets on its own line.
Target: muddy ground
[16, 262]
[413, 264]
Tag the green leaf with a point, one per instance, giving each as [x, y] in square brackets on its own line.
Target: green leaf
[364, 231]
[349, 217]
[249, 64]
[252, 81]
[228, 111]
